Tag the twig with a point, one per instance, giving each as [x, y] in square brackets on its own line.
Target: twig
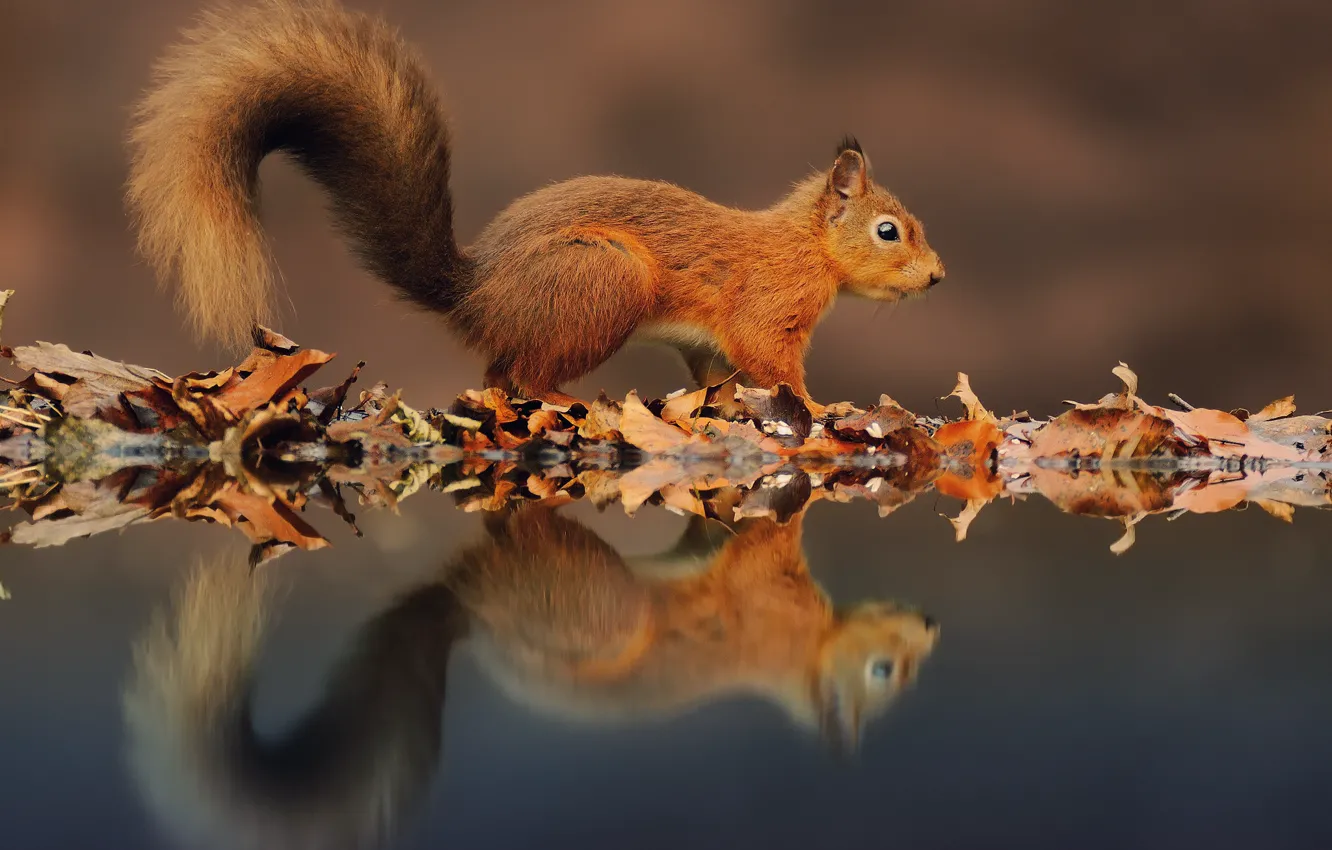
[16, 477]
[13, 414]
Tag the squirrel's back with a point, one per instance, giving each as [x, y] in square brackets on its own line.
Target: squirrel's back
[341, 94]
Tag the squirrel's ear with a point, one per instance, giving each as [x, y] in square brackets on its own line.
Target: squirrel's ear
[849, 178]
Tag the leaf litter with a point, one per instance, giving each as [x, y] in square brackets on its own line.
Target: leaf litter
[89, 445]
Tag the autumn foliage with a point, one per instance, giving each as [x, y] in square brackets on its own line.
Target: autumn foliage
[88, 444]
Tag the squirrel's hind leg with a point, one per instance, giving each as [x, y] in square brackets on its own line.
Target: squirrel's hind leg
[557, 311]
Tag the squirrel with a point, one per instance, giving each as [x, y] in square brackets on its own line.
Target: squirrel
[554, 616]
[555, 285]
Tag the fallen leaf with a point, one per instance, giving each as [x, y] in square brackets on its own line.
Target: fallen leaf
[1128, 376]
[963, 521]
[263, 520]
[1276, 410]
[45, 357]
[970, 402]
[5, 295]
[683, 406]
[875, 424]
[1104, 432]
[682, 499]
[1281, 510]
[57, 532]
[778, 405]
[602, 421]
[271, 381]
[645, 431]
[1124, 543]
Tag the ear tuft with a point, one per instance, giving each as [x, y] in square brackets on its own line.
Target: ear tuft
[849, 143]
[848, 177]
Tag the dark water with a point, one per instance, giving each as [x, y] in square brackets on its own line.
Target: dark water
[1176, 696]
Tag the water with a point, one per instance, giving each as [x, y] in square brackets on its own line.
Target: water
[1176, 695]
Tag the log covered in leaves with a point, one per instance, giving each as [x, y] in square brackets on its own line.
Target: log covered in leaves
[88, 444]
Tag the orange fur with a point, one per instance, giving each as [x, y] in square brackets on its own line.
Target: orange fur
[555, 285]
[575, 629]
[553, 614]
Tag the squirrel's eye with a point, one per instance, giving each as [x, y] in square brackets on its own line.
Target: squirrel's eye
[887, 231]
[882, 669]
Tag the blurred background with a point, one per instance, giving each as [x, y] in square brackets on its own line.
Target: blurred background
[1146, 182]
[1131, 181]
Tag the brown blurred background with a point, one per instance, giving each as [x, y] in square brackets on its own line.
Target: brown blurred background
[1136, 181]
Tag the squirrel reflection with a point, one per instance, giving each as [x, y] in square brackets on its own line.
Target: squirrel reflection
[554, 615]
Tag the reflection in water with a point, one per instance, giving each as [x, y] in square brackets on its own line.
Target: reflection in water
[555, 616]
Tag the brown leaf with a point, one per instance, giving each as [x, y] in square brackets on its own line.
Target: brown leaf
[963, 521]
[1123, 544]
[332, 398]
[780, 404]
[1225, 435]
[972, 404]
[1281, 510]
[105, 515]
[874, 425]
[50, 387]
[210, 416]
[645, 431]
[779, 496]
[638, 485]
[271, 340]
[45, 357]
[1104, 432]
[271, 381]
[543, 421]
[5, 295]
[263, 520]
[843, 409]
[682, 499]
[99, 382]
[1113, 493]
[1309, 435]
[1276, 410]
[602, 421]
[1211, 498]
[495, 399]
[683, 407]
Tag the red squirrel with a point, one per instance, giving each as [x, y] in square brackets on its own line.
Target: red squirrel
[555, 285]
[552, 615]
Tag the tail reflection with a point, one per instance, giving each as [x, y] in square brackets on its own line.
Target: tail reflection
[341, 777]
[555, 616]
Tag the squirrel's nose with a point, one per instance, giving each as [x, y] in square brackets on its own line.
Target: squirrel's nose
[938, 273]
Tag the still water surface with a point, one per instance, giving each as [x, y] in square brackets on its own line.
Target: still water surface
[1177, 695]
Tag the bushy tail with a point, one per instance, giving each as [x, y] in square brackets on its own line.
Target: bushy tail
[345, 775]
[341, 94]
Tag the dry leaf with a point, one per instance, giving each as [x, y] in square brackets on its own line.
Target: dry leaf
[972, 404]
[1104, 432]
[5, 295]
[963, 521]
[683, 406]
[1276, 410]
[645, 431]
[1124, 543]
[272, 381]
[779, 405]
[1280, 510]
[602, 421]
